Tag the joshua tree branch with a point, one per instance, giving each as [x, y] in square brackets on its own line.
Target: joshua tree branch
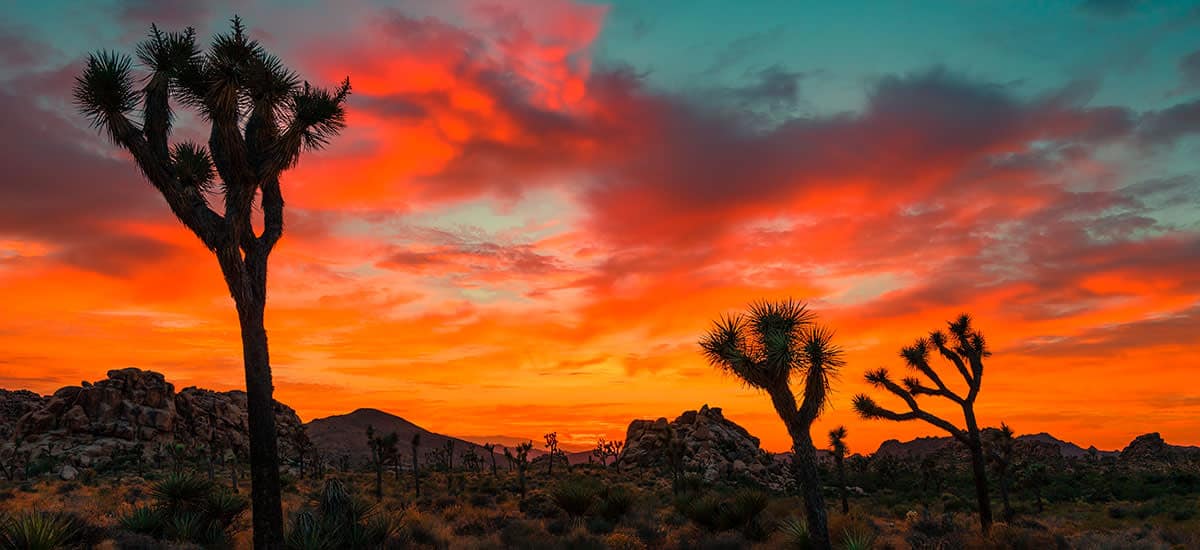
[955, 358]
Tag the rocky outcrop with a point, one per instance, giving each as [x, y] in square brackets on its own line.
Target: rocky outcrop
[1151, 450]
[14, 405]
[134, 411]
[713, 447]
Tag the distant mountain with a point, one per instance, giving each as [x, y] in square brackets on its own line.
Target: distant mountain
[346, 434]
[1068, 449]
[925, 446]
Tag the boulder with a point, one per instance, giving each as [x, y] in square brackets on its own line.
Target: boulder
[715, 448]
[133, 411]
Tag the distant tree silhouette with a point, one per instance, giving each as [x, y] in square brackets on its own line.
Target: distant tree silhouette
[416, 443]
[383, 448]
[837, 445]
[764, 347]
[491, 451]
[522, 463]
[966, 348]
[605, 449]
[551, 444]
[1000, 457]
[262, 116]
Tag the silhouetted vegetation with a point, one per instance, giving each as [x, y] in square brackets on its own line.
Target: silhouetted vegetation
[262, 116]
[966, 348]
[764, 348]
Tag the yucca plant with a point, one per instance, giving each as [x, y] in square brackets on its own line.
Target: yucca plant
[187, 509]
[336, 518]
[261, 117]
[41, 531]
[964, 347]
[837, 446]
[145, 520]
[795, 533]
[765, 348]
[577, 495]
[858, 539]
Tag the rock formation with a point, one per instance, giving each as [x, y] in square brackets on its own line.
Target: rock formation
[714, 447]
[1149, 450]
[131, 411]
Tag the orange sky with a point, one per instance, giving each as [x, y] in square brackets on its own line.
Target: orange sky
[512, 239]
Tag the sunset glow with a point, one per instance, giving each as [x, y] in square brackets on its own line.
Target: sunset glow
[537, 209]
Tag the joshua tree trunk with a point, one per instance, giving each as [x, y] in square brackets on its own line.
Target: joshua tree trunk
[247, 281]
[804, 467]
[378, 480]
[416, 473]
[841, 473]
[979, 470]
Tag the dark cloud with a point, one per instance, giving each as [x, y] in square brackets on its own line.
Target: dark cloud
[1167, 126]
[1175, 329]
[1189, 70]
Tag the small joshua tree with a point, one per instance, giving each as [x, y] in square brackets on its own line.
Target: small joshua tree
[837, 445]
[966, 349]
[764, 348]
[1000, 446]
[551, 444]
[262, 116]
[491, 451]
[673, 450]
[382, 449]
[606, 449]
[522, 463]
[416, 443]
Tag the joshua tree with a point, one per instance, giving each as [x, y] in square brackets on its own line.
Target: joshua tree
[605, 449]
[837, 444]
[416, 442]
[1034, 475]
[491, 451]
[382, 449]
[552, 444]
[764, 348]
[1000, 456]
[261, 116]
[522, 463]
[966, 348]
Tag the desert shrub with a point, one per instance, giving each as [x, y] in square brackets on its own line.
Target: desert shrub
[46, 531]
[525, 535]
[576, 495]
[582, 540]
[336, 518]
[624, 541]
[422, 529]
[933, 532]
[1013, 537]
[614, 503]
[187, 509]
[717, 512]
[599, 526]
[539, 505]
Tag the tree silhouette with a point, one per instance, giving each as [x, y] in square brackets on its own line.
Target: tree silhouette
[383, 448]
[551, 444]
[764, 348]
[491, 451]
[966, 348]
[1000, 458]
[261, 116]
[837, 444]
[416, 443]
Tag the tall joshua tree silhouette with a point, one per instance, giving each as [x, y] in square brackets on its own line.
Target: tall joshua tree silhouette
[966, 348]
[262, 116]
[764, 348]
[837, 445]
